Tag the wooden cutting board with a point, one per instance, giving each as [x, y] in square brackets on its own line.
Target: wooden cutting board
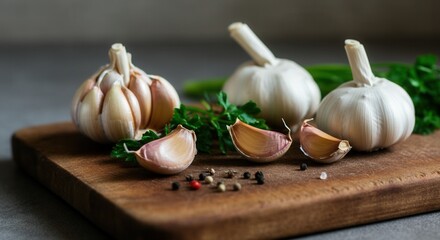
[130, 202]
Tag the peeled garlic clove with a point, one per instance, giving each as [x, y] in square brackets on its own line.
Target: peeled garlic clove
[117, 115]
[171, 154]
[259, 145]
[321, 146]
[165, 99]
[139, 87]
[88, 117]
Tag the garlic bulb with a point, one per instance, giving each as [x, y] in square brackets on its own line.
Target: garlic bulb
[168, 155]
[121, 100]
[280, 87]
[320, 146]
[370, 112]
[259, 145]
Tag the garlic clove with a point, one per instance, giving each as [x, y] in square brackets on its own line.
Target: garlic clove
[171, 154]
[134, 106]
[165, 99]
[117, 117]
[139, 87]
[107, 79]
[88, 115]
[80, 94]
[321, 146]
[259, 145]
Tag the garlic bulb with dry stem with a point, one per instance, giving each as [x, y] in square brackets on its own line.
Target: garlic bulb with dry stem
[280, 87]
[121, 100]
[168, 155]
[259, 145]
[370, 112]
[320, 146]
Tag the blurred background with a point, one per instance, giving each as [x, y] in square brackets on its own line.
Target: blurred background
[48, 48]
[140, 21]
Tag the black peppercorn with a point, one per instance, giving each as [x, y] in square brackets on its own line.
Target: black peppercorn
[303, 166]
[175, 186]
[259, 174]
[260, 179]
[189, 178]
[246, 175]
[202, 177]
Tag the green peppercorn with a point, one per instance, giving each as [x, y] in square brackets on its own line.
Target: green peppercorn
[175, 186]
[246, 175]
[303, 166]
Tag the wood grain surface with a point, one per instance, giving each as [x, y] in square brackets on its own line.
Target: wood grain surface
[131, 203]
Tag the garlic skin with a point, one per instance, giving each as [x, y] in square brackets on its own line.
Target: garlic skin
[370, 112]
[169, 155]
[321, 146]
[259, 145]
[280, 87]
[120, 101]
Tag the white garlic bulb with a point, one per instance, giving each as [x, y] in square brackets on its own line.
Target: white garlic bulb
[280, 87]
[121, 100]
[370, 112]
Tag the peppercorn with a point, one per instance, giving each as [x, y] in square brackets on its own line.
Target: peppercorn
[211, 171]
[246, 175]
[303, 166]
[189, 177]
[260, 179]
[175, 186]
[259, 174]
[202, 176]
[230, 173]
[237, 186]
[195, 185]
[221, 187]
[209, 179]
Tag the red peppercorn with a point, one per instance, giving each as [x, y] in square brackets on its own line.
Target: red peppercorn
[195, 185]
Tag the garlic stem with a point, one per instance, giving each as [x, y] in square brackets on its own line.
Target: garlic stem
[251, 44]
[360, 66]
[119, 56]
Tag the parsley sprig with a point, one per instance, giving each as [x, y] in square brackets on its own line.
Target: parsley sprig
[421, 80]
[208, 122]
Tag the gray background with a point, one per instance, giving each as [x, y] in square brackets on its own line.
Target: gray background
[47, 48]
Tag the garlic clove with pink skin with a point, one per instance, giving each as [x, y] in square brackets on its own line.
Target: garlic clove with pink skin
[259, 145]
[168, 155]
[165, 99]
[321, 146]
[129, 101]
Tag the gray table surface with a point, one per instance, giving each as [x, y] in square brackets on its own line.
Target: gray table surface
[37, 85]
